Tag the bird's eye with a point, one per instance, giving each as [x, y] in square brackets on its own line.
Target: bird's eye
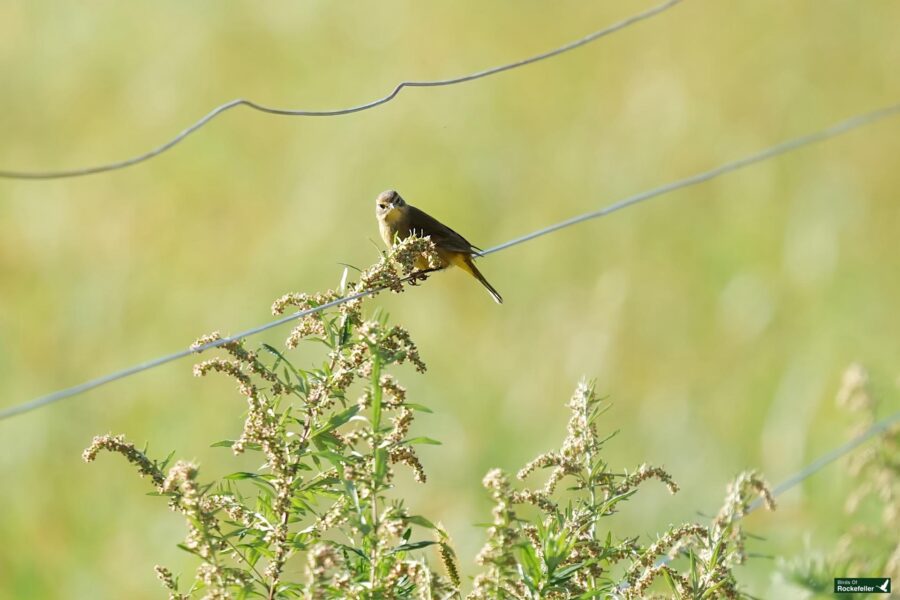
[382, 206]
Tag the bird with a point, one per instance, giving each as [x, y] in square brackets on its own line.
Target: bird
[397, 220]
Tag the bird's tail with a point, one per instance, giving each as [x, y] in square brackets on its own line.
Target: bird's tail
[467, 265]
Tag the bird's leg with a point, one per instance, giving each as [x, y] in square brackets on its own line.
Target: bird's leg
[415, 277]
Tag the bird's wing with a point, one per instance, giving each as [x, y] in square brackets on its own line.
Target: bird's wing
[421, 223]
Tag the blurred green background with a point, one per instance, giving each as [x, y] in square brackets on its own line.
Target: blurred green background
[717, 319]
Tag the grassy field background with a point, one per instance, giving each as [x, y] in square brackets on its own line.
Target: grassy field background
[718, 319]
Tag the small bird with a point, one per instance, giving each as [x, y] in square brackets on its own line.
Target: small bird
[397, 219]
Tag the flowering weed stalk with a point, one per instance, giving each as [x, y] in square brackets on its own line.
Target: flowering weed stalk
[317, 519]
[330, 438]
[566, 552]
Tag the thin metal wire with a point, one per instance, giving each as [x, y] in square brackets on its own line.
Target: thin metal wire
[817, 465]
[340, 111]
[830, 132]
[828, 458]
[818, 136]
[156, 362]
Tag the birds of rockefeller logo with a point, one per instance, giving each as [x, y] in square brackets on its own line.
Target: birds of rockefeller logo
[865, 585]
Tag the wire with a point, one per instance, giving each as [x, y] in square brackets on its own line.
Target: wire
[830, 132]
[828, 458]
[340, 111]
[156, 362]
[784, 147]
[817, 465]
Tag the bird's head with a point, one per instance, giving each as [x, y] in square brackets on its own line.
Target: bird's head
[387, 203]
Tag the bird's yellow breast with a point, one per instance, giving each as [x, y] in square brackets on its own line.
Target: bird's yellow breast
[392, 224]
[395, 224]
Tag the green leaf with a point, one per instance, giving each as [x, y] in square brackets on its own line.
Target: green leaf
[352, 549]
[264, 550]
[595, 593]
[337, 420]
[299, 543]
[346, 331]
[333, 457]
[423, 440]
[238, 533]
[326, 439]
[671, 582]
[566, 572]
[714, 558]
[223, 444]
[318, 483]
[420, 521]
[418, 407]
[351, 491]
[530, 561]
[381, 456]
[243, 475]
[189, 550]
[301, 506]
[695, 575]
[376, 392]
[264, 486]
[711, 591]
[273, 350]
[165, 462]
[412, 546]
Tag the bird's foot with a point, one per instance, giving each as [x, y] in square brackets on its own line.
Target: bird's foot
[418, 276]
